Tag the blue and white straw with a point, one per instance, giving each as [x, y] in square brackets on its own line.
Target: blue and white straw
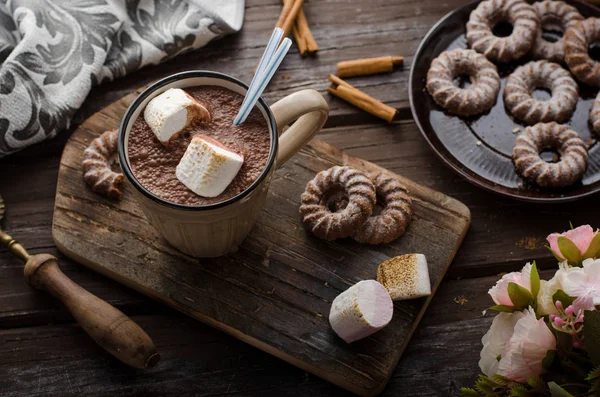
[270, 61]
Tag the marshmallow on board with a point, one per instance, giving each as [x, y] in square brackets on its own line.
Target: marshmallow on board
[361, 310]
[208, 167]
[171, 112]
[405, 277]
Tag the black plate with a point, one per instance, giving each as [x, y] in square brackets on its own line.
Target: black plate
[480, 148]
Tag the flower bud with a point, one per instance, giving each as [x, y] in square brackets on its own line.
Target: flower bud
[570, 310]
[558, 321]
[558, 305]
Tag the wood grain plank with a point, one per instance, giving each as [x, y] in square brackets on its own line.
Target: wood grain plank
[199, 360]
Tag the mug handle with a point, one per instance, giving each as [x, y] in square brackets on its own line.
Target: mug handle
[310, 110]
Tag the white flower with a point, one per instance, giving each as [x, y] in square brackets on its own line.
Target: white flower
[583, 303]
[495, 340]
[546, 304]
[515, 346]
[585, 281]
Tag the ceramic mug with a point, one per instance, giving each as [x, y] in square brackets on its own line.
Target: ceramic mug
[218, 229]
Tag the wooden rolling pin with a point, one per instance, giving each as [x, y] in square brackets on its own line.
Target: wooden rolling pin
[108, 326]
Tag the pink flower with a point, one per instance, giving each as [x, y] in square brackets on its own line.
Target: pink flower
[523, 354]
[499, 292]
[582, 238]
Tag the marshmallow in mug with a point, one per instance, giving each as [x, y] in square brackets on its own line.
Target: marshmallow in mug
[405, 277]
[361, 310]
[171, 112]
[208, 167]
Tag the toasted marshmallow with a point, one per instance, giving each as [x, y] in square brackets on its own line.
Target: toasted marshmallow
[361, 310]
[171, 112]
[207, 167]
[405, 277]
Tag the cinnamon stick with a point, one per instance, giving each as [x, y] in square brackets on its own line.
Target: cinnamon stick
[288, 16]
[287, 6]
[366, 66]
[302, 35]
[356, 97]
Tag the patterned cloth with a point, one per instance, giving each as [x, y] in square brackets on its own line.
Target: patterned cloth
[53, 51]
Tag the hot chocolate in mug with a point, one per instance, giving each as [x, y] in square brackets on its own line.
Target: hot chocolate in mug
[218, 229]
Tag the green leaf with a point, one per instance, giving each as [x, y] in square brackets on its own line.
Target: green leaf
[483, 386]
[594, 374]
[561, 296]
[595, 386]
[468, 392]
[548, 359]
[557, 391]
[594, 248]
[559, 259]
[591, 332]
[503, 308]
[569, 250]
[520, 391]
[537, 384]
[519, 296]
[535, 280]
[499, 379]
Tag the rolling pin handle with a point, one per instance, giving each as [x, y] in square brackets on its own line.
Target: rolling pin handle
[108, 326]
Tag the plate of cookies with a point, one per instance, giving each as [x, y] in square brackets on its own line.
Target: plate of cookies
[506, 94]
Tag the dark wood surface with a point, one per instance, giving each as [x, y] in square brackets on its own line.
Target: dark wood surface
[42, 352]
[276, 291]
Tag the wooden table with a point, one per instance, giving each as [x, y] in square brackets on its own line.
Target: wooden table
[43, 352]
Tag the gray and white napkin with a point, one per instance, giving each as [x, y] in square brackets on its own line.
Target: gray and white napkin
[53, 51]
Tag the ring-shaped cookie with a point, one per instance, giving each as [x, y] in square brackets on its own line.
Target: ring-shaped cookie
[572, 149]
[525, 79]
[576, 43]
[558, 16]
[595, 115]
[317, 216]
[478, 97]
[393, 219]
[484, 18]
[97, 171]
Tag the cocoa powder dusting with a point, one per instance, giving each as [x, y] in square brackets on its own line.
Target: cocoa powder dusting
[154, 165]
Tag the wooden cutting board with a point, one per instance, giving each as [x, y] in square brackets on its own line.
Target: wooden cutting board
[276, 291]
